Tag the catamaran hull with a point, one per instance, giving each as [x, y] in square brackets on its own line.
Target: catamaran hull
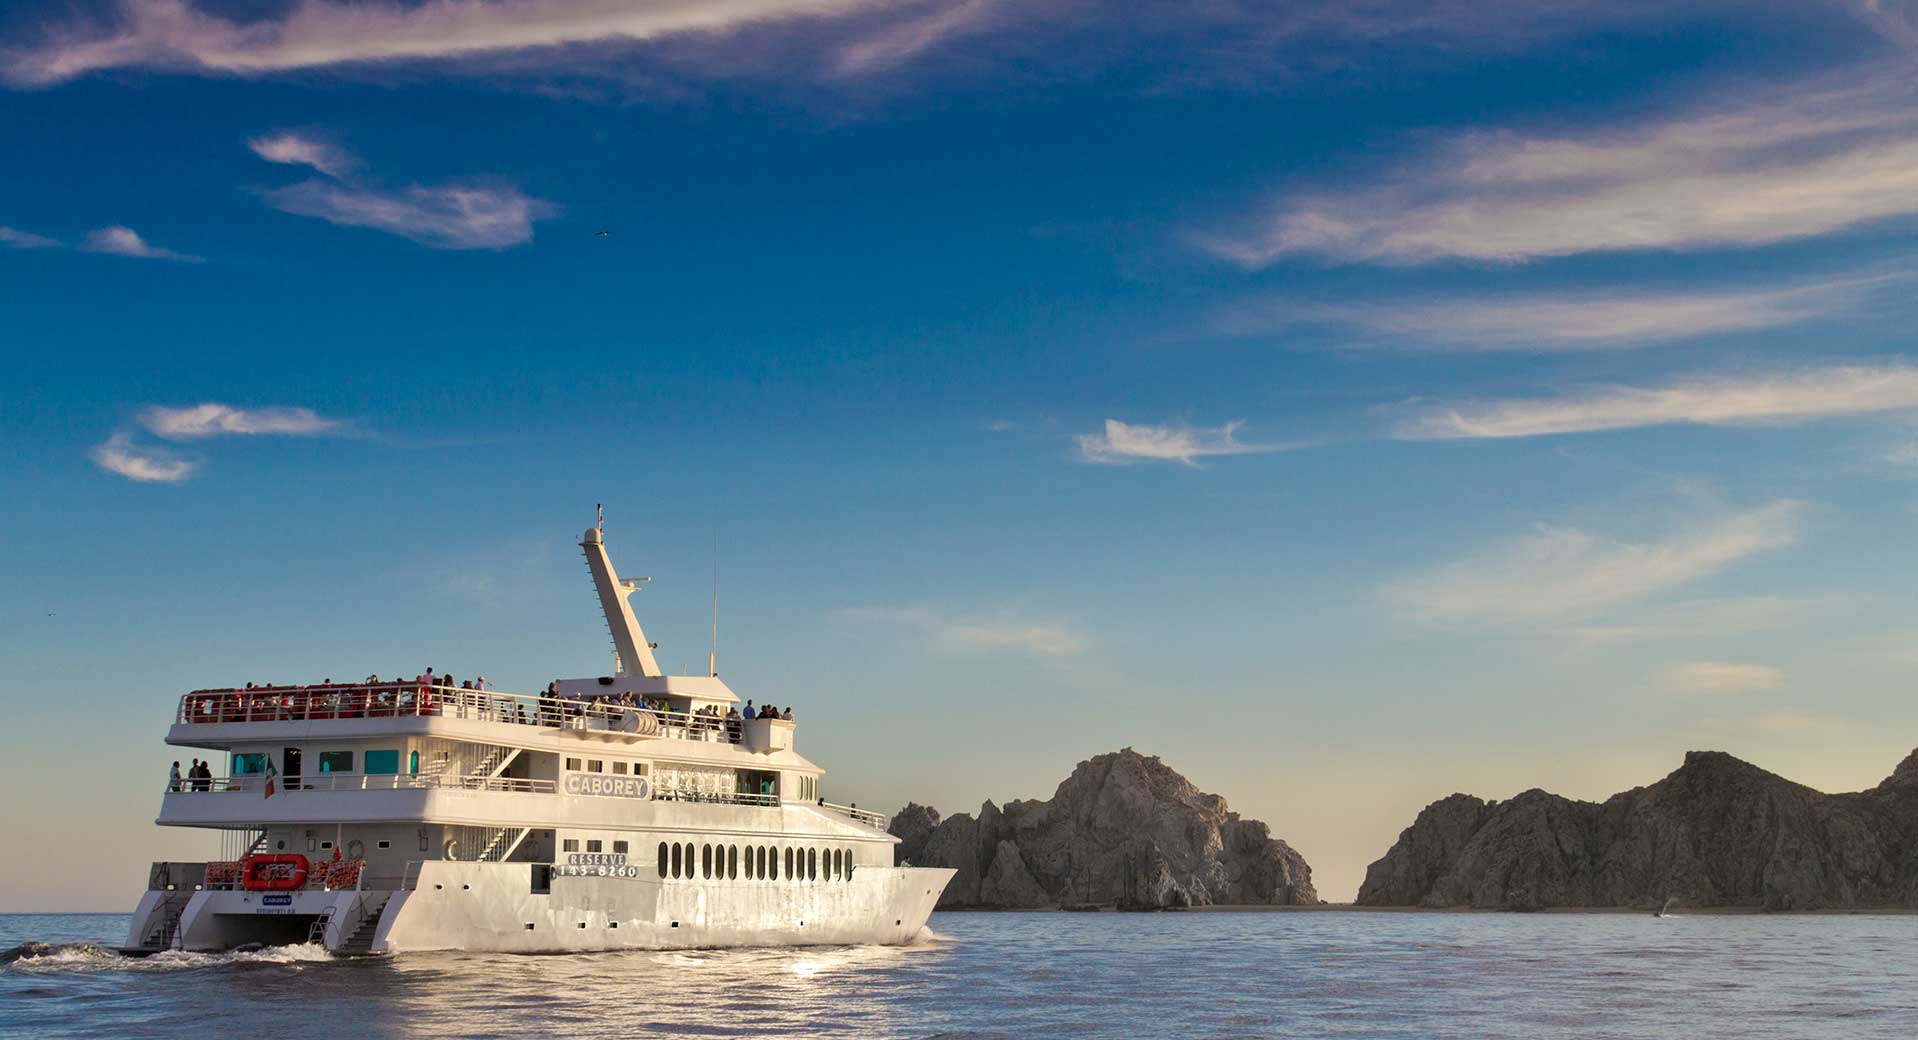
[488, 907]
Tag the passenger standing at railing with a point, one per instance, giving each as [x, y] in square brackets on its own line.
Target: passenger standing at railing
[748, 714]
[173, 778]
[732, 725]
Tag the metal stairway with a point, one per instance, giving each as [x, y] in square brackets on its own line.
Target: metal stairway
[360, 942]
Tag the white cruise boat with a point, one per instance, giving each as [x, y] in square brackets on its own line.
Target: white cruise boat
[621, 811]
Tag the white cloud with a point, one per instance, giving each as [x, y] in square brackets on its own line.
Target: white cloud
[302, 150]
[1573, 322]
[1895, 20]
[1797, 722]
[975, 634]
[1694, 619]
[442, 216]
[1122, 443]
[213, 420]
[316, 33]
[1801, 396]
[148, 465]
[1719, 677]
[1800, 160]
[1558, 574]
[24, 239]
[120, 240]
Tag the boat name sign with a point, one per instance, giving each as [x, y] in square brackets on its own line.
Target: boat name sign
[608, 786]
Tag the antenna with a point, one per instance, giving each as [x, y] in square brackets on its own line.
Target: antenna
[712, 661]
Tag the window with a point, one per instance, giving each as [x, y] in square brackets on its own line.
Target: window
[662, 861]
[573, 764]
[619, 769]
[676, 854]
[789, 863]
[812, 864]
[336, 761]
[413, 763]
[569, 845]
[772, 871]
[247, 764]
[732, 862]
[383, 844]
[595, 765]
[383, 763]
[619, 848]
[592, 845]
[706, 861]
[326, 845]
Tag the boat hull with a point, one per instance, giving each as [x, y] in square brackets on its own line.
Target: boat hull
[490, 907]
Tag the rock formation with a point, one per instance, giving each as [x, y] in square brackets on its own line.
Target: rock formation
[1123, 830]
[1716, 833]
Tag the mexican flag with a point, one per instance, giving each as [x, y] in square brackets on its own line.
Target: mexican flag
[271, 775]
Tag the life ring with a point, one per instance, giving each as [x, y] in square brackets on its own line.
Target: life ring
[355, 849]
[275, 872]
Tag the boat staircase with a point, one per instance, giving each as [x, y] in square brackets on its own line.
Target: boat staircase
[498, 759]
[503, 843]
[166, 928]
[359, 941]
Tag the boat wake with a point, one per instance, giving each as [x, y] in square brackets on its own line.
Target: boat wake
[927, 937]
[87, 958]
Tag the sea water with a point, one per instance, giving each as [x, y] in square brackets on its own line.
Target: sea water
[1313, 974]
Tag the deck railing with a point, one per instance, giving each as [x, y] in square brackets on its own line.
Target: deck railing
[256, 783]
[398, 700]
[873, 819]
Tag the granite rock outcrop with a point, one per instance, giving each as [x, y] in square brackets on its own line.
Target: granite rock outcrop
[1717, 832]
[1124, 830]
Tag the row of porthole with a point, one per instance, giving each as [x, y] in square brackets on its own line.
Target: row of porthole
[762, 863]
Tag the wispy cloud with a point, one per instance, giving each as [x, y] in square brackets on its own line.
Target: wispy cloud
[823, 41]
[24, 239]
[120, 240]
[148, 465]
[1560, 574]
[1694, 619]
[472, 215]
[1570, 322]
[1718, 677]
[212, 420]
[1796, 161]
[304, 150]
[973, 634]
[1801, 396]
[1895, 20]
[177, 34]
[466, 216]
[1122, 443]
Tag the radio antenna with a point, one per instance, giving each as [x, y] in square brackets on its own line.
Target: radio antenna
[712, 659]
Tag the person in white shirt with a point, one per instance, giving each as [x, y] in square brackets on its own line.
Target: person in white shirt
[173, 778]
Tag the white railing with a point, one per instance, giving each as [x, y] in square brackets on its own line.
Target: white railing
[873, 819]
[671, 794]
[399, 700]
[256, 783]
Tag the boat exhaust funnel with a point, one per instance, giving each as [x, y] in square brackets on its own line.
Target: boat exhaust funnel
[633, 655]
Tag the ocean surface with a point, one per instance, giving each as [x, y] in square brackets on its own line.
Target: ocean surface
[1328, 974]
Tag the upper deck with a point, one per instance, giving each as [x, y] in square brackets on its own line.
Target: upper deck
[217, 717]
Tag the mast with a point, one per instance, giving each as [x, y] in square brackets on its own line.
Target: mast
[632, 654]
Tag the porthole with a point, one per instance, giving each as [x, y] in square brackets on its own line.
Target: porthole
[732, 862]
[662, 860]
[677, 853]
[706, 862]
[789, 863]
[812, 864]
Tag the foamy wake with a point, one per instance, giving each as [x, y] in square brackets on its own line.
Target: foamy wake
[927, 937]
[50, 958]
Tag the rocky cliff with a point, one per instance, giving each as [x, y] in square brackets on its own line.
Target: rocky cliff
[1717, 833]
[1123, 830]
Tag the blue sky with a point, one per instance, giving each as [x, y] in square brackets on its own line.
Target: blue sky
[1352, 403]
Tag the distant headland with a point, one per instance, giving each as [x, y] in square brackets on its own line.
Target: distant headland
[1716, 833]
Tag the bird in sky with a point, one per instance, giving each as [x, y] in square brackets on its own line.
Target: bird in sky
[601, 234]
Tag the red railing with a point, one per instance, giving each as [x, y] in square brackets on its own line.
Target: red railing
[323, 701]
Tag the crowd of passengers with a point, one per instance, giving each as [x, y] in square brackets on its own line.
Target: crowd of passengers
[556, 704]
[378, 695]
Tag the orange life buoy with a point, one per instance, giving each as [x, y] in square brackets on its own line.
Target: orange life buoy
[279, 872]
